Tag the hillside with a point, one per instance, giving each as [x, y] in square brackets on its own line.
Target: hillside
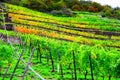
[63, 44]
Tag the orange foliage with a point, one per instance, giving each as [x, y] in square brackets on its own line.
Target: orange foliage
[93, 9]
[52, 34]
[25, 30]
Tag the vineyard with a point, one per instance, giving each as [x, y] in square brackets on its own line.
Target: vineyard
[40, 46]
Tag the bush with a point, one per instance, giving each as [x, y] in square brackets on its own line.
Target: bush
[62, 12]
[16, 2]
[118, 14]
[59, 5]
[71, 3]
[108, 13]
[92, 9]
[84, 5]
[24, 2]
[67, 12]
[76, 7]
[97, 6]
[37, 5]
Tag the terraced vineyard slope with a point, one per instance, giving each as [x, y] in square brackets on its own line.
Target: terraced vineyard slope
[82, 47]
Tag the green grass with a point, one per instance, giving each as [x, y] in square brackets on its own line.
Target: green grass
[42, 68]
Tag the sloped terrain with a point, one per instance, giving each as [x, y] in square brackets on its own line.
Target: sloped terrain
[66, 47]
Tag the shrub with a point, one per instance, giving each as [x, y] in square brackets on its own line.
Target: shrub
[76, 7]
[108, 13]
[71, 3]
[62, 12]
[84, 5]
[97, 6]
[24, 2]
[13, 1]
[92, 9]
[118, 14]
[67, 12]
[59, 5]
[37, 5]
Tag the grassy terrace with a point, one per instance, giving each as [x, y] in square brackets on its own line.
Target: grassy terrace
[92, 21]
[55, 27]
[66, 28]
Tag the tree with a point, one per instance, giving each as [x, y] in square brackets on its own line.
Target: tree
[59, 5]
[92, 9]
[97, 6]
[37, 5]
[24, 3]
